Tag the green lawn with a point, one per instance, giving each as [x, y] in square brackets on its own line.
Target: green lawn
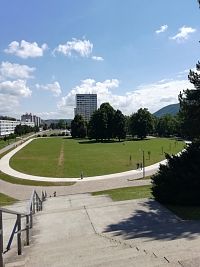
[6, 200]
[127, 193]
[64, 157]
[13, 180]
[5, 143]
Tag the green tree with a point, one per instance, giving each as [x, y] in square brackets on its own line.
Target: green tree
[97, 126]
[166, 125]
[78, 127]
[190, 107]
[141, 123]
[108, 112]
[178, 182]
[61, 124]
[119, 125]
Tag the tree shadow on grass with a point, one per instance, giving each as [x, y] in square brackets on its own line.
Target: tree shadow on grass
[99, 141]
[154, 222]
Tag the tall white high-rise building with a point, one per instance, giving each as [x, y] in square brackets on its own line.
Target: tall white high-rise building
[86, 104]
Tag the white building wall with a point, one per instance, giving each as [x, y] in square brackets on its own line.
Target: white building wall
[7, 127]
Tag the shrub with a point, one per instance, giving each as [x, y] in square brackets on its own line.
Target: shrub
[178, 182]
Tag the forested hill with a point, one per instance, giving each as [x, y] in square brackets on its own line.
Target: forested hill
[172, 109]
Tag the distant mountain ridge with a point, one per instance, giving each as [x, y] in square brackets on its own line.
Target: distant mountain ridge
[172, 109]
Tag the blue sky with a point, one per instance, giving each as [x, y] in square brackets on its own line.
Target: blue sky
[131, 53]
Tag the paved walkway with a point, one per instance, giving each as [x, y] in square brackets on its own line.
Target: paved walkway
[85, 231]
[133, 174]
[23, 192]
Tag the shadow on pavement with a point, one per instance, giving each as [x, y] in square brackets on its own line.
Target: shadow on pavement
[154, 222]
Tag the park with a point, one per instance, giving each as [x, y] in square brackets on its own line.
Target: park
[65, 157]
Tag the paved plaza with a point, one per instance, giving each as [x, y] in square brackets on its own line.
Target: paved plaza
[84, 230]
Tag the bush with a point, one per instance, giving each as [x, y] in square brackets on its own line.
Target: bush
[53, 134]
[178, 182]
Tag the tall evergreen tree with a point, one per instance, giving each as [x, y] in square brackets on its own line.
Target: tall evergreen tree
[190, 106]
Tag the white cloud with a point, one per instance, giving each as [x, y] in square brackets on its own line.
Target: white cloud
[25, 49]
[97, 58]
[8, 104]
[163, 28]
[11, 93]
[152, 96]
[15, 71]
[49, 115]
[52, 87]
[74, 47]
[16, 88]
[183, 34]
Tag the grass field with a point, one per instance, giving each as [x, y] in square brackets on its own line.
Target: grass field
[63, 157]
[6, 143]
[6, 200]
[13, 180]
[127, 193]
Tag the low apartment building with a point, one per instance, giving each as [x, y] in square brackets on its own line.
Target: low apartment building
[7, 126]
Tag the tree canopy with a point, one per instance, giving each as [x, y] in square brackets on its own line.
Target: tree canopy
[141, 123]
[190, 107]
[107, 123]
[78, 127]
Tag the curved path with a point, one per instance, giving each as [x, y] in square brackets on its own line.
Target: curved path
[133, 174]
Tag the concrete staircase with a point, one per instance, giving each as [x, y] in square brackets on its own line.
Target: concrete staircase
[74, 231]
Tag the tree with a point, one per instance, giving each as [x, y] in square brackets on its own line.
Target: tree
[97, 126]
[45, 127]
[141, 123]
[166, 125]
[78, 127]
[178, 182]
[190, 107]
[108, 112]
[119, 125]
[101, 123]
[61, 124]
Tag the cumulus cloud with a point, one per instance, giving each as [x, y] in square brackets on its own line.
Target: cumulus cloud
[15, 71]
[163, 28]
[97, 58]
[11, 93]
[152, 96]
[26, 49]
[183, 34]
[8, 104]
[16, 88]
[52, 87]
[75, 47]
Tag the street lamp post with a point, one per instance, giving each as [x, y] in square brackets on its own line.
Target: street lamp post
[143, 164]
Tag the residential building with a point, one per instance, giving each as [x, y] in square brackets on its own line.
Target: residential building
[31, 118]
[7, 126]
[86, 104]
